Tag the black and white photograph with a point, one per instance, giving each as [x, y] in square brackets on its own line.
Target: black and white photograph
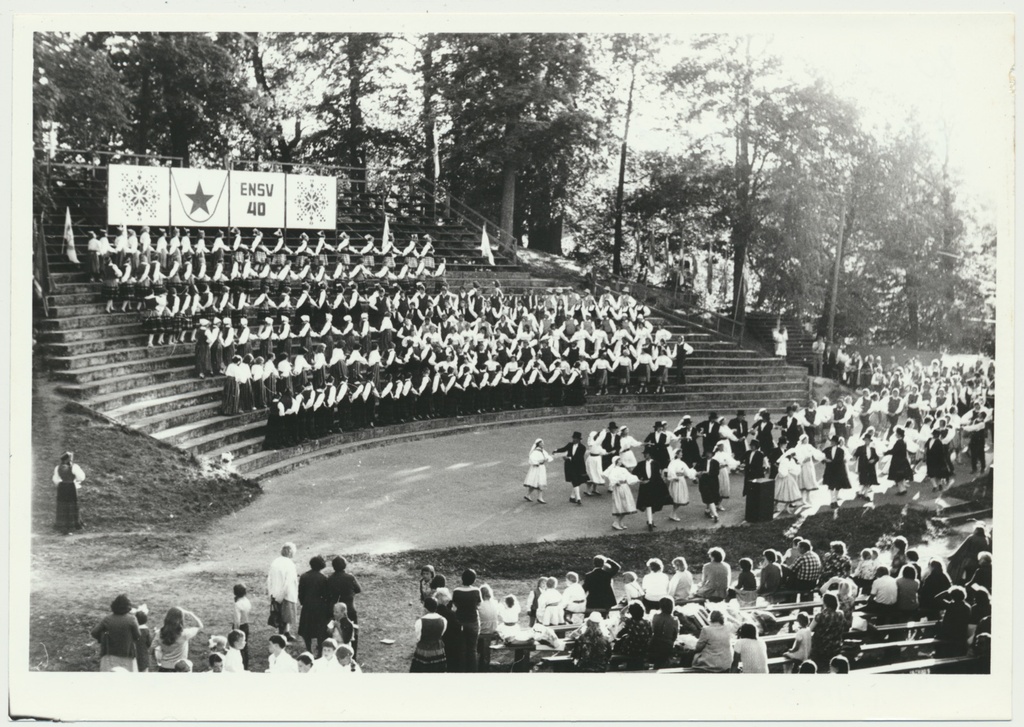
[362, 347]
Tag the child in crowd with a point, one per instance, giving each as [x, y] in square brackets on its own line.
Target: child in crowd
[216, 662]
[233, 658]
[145, 641]
[801, 642]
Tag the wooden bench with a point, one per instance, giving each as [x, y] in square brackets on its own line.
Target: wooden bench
[916, 665]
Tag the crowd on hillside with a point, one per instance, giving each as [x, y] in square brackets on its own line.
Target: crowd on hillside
[713, 622]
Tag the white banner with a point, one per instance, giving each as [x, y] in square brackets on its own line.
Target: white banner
[312, 202]
[199, 197]
[138, 195]
[257, 199]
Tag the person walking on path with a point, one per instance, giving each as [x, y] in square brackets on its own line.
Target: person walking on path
[575, 465]
[68, 477]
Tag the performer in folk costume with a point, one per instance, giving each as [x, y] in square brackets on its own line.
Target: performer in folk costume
[755, 465]
[619, 479]
[842, 414]
[900, 469]
[762, 430]
[806, 456]
[678, 475]
[709, 431]
[787, 488]
[595, 457]
[836, 476]
[610, 443]
[726, 464]
[537, 475]
[936, 456]
[867, 458]
[741, 429]
[575, 465]
[653, 493]
[710, 489]
[68, 477]
[626, 444]
[230, 405]
[688, 441]
[658, 441]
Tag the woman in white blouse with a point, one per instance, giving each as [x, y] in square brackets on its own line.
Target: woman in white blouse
[655, 584]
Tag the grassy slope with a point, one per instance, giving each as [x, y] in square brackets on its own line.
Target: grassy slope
[133, 545]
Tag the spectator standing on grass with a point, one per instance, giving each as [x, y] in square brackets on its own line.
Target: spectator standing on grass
[716, 577]
[342, 586]
[598, 584]
[827, 630]
[488, 628]
[316, 610]
[453, 630]
[240, 618]
[118, 635]
[466, 599]
[342, 629]
[427, 575]
[145, 642]
[283, 589]
[430, 627]
[173, 639]
[68, 477]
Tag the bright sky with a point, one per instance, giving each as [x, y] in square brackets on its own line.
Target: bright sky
[954, 70]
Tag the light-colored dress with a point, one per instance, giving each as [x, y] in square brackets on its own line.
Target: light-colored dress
[727, 463]
[679, 475]
[619, 479]
[626, 455]
[807, 455]
[549, 608]
[787, 489]
[537, 475]
[594, 473]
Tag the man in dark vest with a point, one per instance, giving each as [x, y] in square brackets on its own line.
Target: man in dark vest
[575, 465]
[610, 444]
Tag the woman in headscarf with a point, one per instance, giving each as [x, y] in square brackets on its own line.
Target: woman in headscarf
[787, 487]
[537, 475]
[594, 473]
[679, 475]
[836, 476]
[867, 458]
[619, 479]
[725, 465]
[900, 470]
[626, 444]
[806, 455]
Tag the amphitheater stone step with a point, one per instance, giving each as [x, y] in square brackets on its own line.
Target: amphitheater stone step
[128, 382]
[113, 370]
[160, 412]
[115, 400]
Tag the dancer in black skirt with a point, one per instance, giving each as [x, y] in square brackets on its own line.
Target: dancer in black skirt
[836, 476]
[653, 494]
[68, 476]
[900, 470]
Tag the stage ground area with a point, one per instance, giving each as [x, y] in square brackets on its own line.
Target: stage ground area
[464, 489]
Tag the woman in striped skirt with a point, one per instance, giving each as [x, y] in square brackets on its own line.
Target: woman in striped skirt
[269, 381]
[265, 338]
[244, 376]
[256, 378]
[111, 278]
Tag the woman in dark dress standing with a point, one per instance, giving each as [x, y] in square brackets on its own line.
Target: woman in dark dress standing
[836, 477]
[430, 627]
[900, 470]
[867, 457]
[653, 493]
[316, 607]
[68, 477]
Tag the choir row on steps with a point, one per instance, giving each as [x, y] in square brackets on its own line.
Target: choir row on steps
[133, 261]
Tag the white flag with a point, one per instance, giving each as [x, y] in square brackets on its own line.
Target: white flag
[69, 237]
[387, 230]
[485, 247]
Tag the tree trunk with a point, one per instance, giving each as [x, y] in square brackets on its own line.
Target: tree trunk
[620, 188]
[548, 237]
[355, 157]
[427, 119]
[913, 312]
[743, 226]
[508, 196]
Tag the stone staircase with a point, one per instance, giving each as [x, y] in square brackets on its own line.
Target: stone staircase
[100, 360]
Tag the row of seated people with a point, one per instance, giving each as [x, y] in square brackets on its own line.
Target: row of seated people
[299, 411]
[657, 620]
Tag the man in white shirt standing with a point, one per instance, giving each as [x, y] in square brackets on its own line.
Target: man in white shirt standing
[283, 587]
[280, 661]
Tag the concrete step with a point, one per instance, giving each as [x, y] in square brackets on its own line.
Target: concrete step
[147, 394]
[218, 441]
[84, 360]
[92, 308]
[72, 349]
[128, 383]
[58, 299]
[94, 333]
[160, 412]
[98, 320]
[109, 371]
[191, 431]
[84, 288]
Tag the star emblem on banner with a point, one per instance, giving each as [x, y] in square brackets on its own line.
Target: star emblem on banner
[199, 199]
